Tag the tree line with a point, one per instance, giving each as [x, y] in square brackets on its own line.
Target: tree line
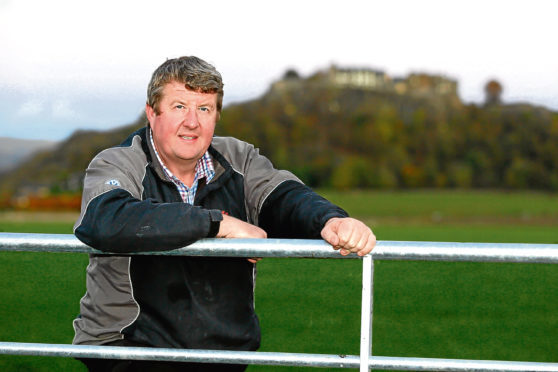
[350, 138]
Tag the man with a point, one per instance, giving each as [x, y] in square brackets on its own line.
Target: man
[166, 186]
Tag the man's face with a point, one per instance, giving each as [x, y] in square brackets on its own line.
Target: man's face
[183, 129]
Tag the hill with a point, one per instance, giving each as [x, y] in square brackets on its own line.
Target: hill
[14, 150]
[62, 167]
[355, 129]
[347, 135]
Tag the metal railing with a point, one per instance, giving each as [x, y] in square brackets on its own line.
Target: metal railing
[385, 250]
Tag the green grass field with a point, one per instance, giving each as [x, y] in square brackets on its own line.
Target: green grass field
[421, 309]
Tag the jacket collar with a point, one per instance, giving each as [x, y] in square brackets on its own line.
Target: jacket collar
[154, 163]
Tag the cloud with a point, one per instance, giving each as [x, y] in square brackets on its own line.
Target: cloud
[61, 109]
[31, 108]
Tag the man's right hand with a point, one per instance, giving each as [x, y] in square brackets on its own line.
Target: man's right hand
[232, 227]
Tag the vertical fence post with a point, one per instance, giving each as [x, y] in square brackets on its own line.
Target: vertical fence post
[366, 312]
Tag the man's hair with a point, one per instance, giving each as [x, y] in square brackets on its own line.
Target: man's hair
[193, 72]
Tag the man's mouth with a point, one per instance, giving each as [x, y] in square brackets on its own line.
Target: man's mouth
[188, 137]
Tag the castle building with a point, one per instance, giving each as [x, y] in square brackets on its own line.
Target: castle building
[359, 78]
[416, 84]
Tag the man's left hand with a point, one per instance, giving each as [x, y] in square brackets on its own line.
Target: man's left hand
[349, 236]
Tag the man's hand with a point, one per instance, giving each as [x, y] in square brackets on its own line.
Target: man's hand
[232, 227]
[349, 236]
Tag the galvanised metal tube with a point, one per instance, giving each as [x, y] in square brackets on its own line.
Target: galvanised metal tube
[366, 312]
[476, 252]
[180, 355]
[385, 250]
[268, 358]
[432, 364]
[205, 247]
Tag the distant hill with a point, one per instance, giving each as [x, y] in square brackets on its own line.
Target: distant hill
[346, 128]
[360, 129]
[13, 150]
[62, 167]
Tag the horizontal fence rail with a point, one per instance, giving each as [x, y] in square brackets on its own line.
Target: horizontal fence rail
[268, 358]
[384, 250]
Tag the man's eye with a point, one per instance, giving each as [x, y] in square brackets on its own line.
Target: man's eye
[204, 109]
[180, 106]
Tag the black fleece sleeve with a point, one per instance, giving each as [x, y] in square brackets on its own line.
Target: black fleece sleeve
[117, 222]
[293, 210]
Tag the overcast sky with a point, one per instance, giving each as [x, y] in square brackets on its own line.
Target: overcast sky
[72, 64]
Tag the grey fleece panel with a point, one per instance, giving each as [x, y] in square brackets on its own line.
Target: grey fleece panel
[260, 177]
[108, 305]
[114, 168]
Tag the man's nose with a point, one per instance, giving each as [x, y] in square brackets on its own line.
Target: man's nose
[190, 119]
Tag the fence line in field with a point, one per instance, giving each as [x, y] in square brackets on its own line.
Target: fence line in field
[385, 250]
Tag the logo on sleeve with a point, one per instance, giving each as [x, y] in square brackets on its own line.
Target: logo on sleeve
[113, 183]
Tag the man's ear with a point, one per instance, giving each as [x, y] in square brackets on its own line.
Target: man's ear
[150, 113]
